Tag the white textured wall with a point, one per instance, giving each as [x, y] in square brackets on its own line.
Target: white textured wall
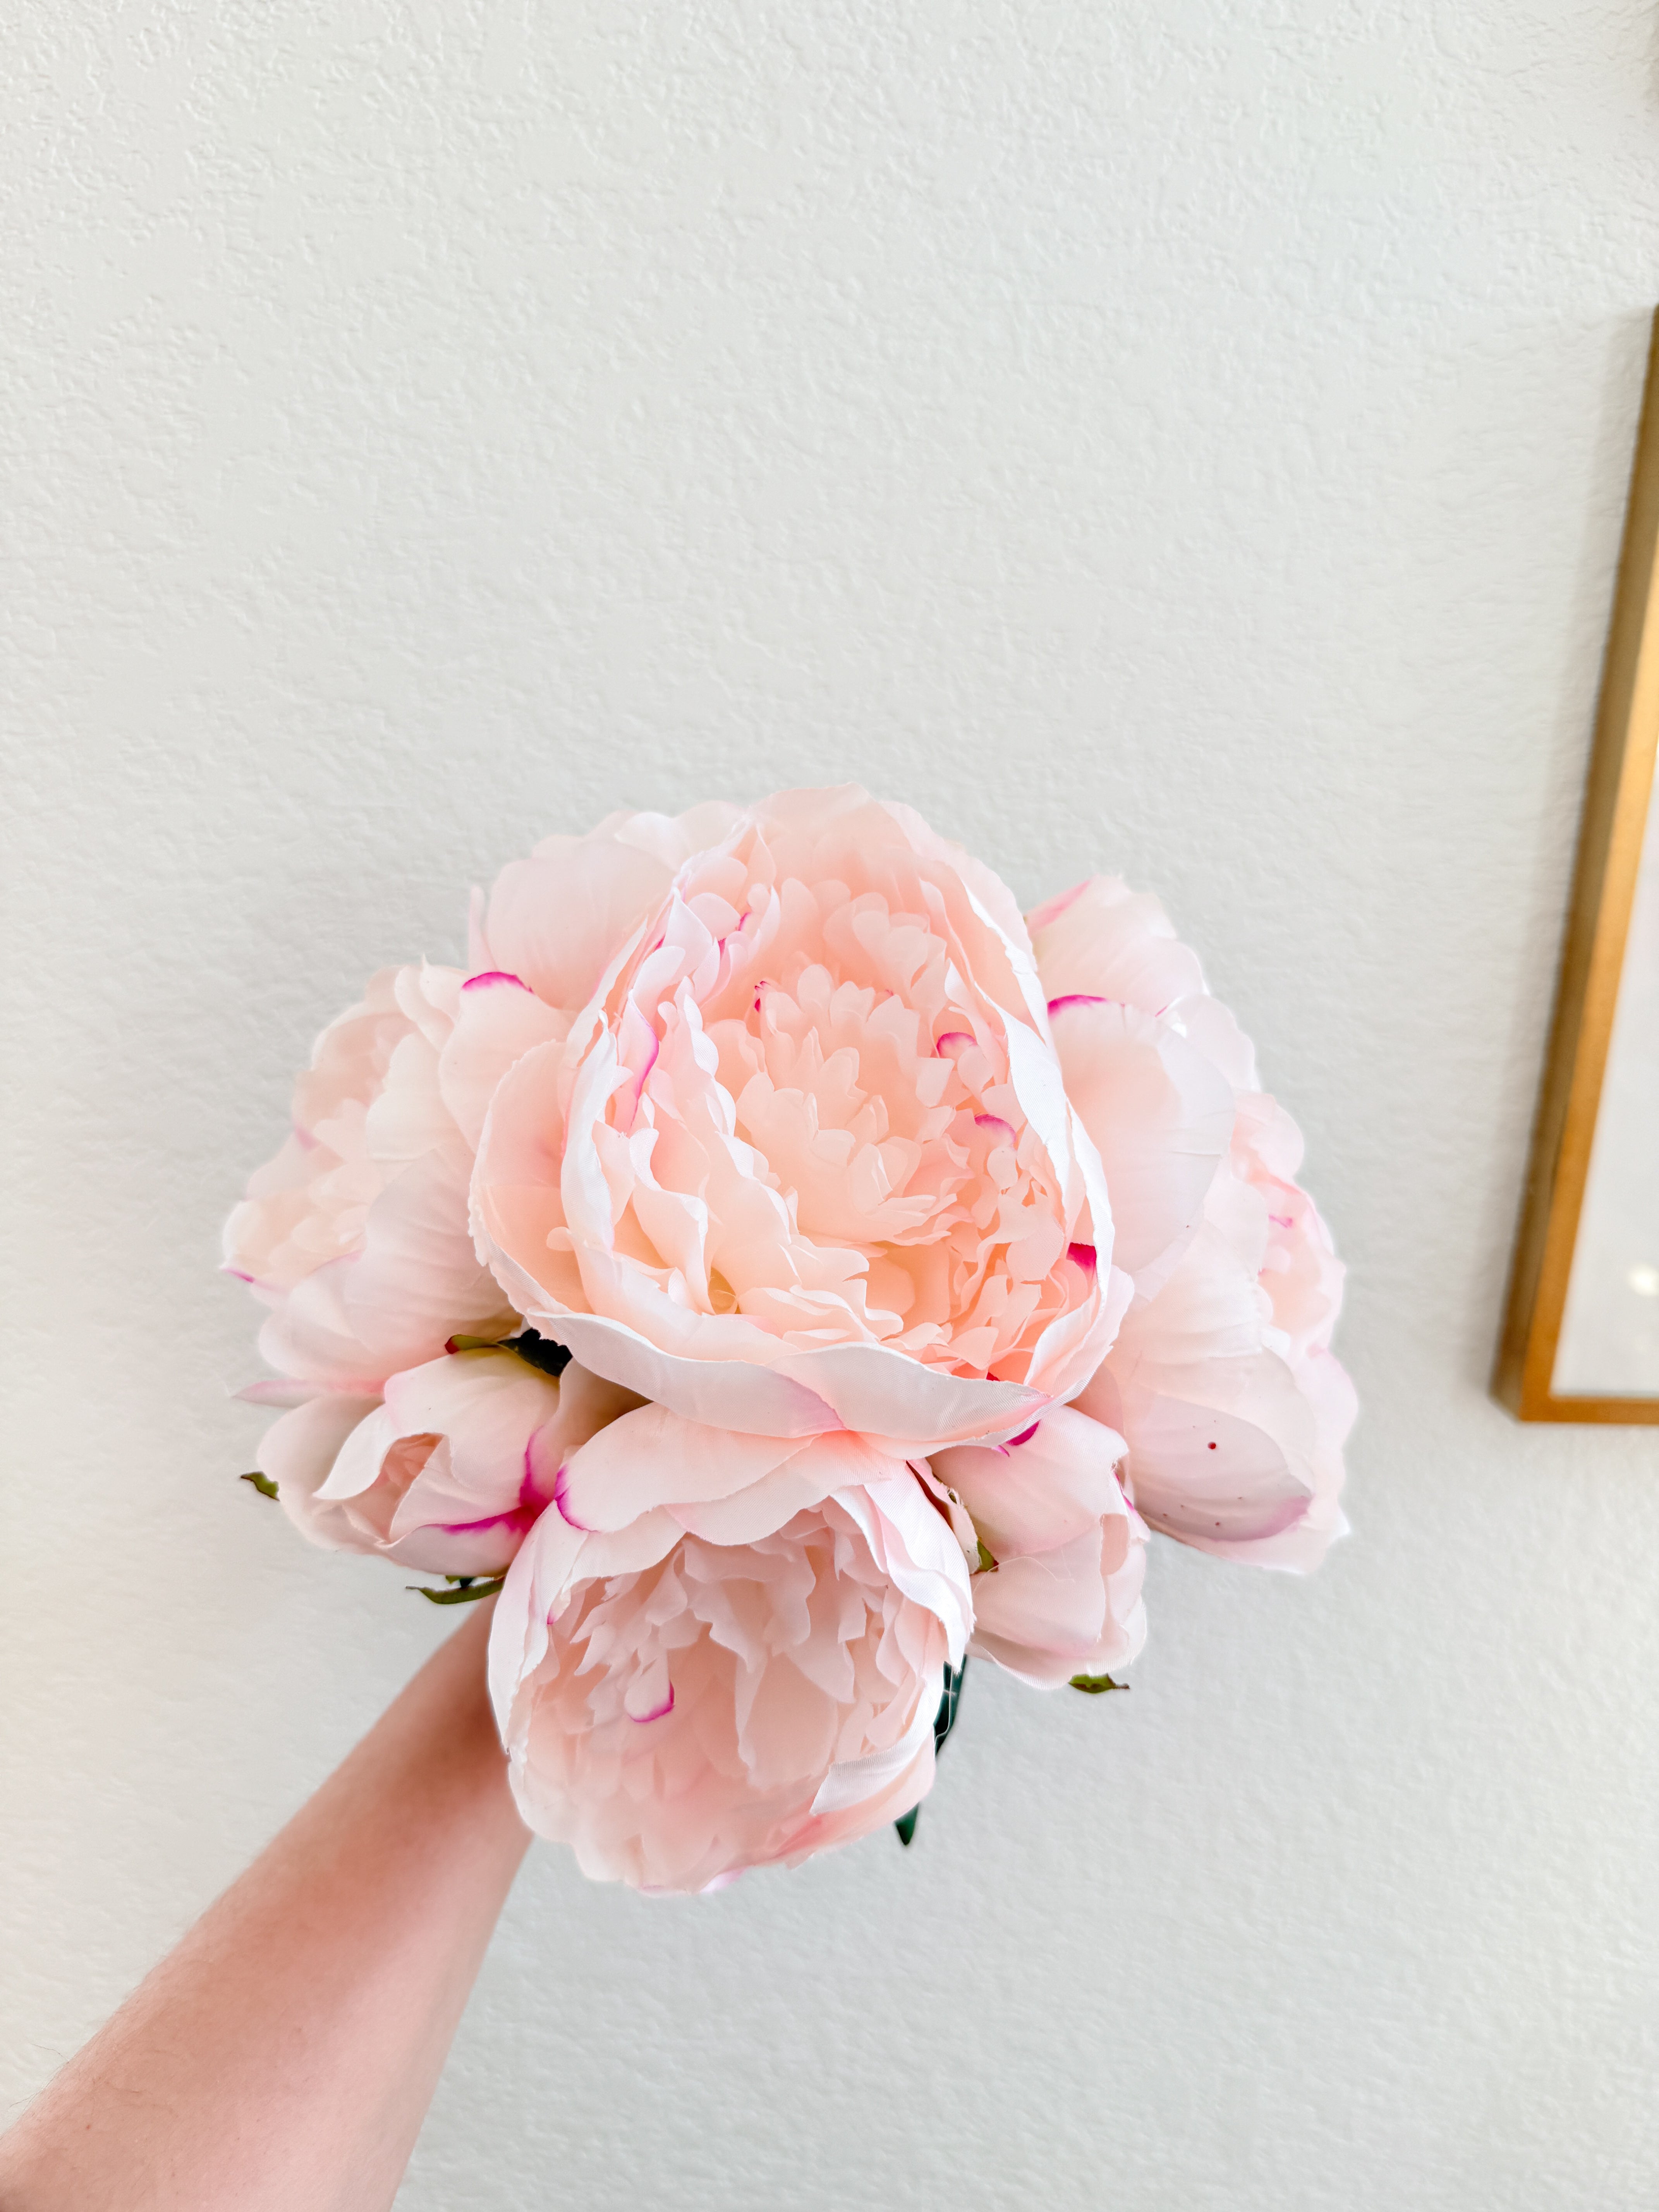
[1176, 435]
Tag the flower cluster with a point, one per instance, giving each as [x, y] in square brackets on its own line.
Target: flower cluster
[793, 1269]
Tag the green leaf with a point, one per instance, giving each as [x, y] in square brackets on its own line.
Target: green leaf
[943, 1721]
[262, 1483]
[945, 1718]
[987, 1565]
[462, 1590]
[1095, 1686]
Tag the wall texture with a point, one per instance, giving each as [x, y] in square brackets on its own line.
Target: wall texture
[1182, 436]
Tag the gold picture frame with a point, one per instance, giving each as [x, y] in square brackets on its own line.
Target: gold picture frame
[1610, 840]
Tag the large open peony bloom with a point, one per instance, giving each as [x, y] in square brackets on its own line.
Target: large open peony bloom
[805, 1160]
[704, 1688]
[1221, 1381]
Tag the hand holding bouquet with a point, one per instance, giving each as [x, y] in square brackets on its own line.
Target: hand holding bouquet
[792, 1270]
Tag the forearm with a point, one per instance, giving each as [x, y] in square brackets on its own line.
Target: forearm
[282, 2058]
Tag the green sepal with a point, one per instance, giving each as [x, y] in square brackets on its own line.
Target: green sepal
[262, 1483]
[987, 1565]
[462, 1590]
[536, 1350]
[1095, 1686]
[906, 1825]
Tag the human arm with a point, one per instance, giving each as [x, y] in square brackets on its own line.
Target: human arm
[281, 2058]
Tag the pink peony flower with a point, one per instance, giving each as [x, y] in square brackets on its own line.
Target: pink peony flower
[805, 1159]
[357, 1233]
[450, 1471]
[1221, 1380]
[683, 1696]
[1057, 1590]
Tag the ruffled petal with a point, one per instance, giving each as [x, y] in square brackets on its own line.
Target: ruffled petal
[1041, 1490]
[1161, 1116]
[498, 1020]
[298, 1452]
[716, 1707]
[1049, 1615]
[555, 920]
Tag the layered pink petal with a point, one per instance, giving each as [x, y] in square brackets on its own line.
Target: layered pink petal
[671, 838]
[1220, 1379]
[723, 1484]
[1234, 1408]
[705, 1708]
[297, 1453]
[555, 918]
[1222, 1452]
[1061, 1555]
[357, 1233]
[413, 1282]
[450, 1471]
[1047, 1616]
[1038, 1491]
[307, 1205]
[499, 1018]
[1161, 1116]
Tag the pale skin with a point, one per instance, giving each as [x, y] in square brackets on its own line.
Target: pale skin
[282, 2058]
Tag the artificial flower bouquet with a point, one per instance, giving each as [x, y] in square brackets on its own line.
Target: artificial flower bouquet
[782, 1269]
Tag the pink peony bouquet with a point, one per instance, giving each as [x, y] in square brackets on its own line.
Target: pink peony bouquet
[782, 1269]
